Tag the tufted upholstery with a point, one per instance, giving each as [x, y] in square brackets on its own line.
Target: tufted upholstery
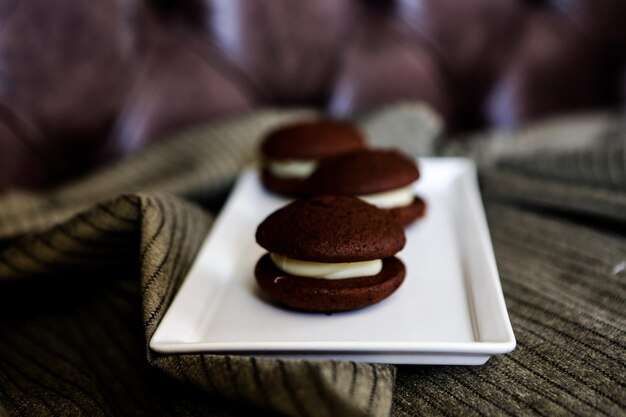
[88, 81]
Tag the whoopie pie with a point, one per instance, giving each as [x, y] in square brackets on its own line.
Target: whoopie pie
[329, 253]
[291, 153]
[382, 177]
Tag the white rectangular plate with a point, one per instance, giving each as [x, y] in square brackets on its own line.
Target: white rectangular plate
[449, 310]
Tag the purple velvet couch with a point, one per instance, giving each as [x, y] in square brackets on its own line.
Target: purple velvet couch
[84, 82]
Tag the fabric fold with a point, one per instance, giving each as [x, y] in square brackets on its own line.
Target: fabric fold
[574, 165]
[162, 234]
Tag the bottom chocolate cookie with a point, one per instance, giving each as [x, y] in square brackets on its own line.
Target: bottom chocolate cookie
[328, 295]
[288, 187]
[407, 215]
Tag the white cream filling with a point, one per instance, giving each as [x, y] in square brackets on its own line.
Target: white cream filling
[400, 197]
[327, 270]
[292, 168]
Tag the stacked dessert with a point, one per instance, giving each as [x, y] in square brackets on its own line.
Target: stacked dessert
[291, 153]
[330, 253]
[380, 177]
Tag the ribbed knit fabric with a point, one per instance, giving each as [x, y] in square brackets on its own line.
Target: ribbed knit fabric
[88, 270]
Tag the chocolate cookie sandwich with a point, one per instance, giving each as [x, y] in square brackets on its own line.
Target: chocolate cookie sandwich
[329, 253]
[291, 153]
[380, 177]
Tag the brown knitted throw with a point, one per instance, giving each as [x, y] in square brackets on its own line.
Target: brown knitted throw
[88, 270]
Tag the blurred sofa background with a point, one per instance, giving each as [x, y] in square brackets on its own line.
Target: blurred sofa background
[83, 83]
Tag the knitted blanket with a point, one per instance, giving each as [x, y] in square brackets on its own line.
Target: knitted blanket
[88, 270]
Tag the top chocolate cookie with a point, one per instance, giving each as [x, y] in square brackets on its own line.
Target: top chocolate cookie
[331, 229]
[360, 172]
[313, 139]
